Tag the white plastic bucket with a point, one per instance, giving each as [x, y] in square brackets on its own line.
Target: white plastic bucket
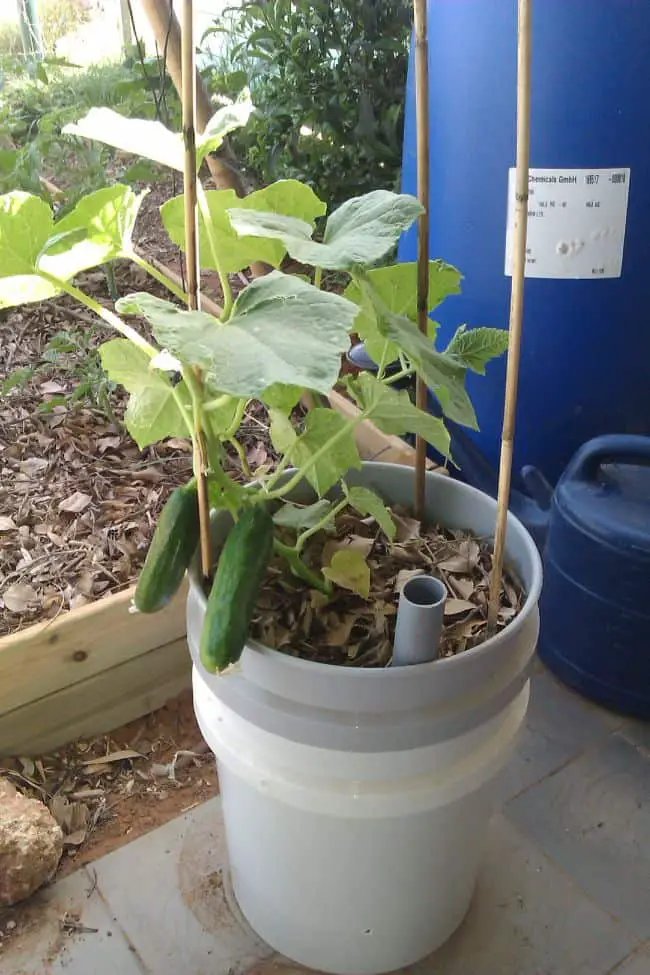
[356, 801]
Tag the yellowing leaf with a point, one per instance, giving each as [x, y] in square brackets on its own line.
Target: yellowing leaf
[369, 503]
[349, 570]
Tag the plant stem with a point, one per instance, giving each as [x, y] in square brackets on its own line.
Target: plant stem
[217, 403]
[204, 208]
[241, 453]
[404, 374]
[104, 313]
[318, 277]
[279, 470]
[299, 568]
[382, 362]
[159, 276]
[236, 420]
[330, 516]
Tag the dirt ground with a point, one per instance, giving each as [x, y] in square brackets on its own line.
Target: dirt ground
[104, 799]
[107, 791]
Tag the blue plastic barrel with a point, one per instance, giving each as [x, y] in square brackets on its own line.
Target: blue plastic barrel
[586, 343]
[595, 606]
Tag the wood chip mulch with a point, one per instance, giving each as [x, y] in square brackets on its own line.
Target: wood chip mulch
[78, 499]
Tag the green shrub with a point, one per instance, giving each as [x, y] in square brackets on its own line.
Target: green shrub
[328, 80]
[33, 113]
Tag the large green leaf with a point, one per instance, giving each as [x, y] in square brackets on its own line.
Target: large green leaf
[281, 396]
[282, 330]
[397, 286]
[26, 223]
[393, 412]
[140, 137]
[153, 412]
[225, 120]
[282, 431]
[153, 140]
[475, 347]
[444, 374]
[321, 426]
[97, 230]
[358, 234]
[235, 252]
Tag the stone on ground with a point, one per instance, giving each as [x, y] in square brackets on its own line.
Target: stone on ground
[31, 843]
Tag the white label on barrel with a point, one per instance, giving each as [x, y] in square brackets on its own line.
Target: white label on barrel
[576, 222]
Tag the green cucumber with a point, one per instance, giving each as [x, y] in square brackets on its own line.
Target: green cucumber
[171, 550]
[240, 572]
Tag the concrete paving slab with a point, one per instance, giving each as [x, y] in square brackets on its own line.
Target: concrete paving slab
[559, 725]
[593, 819]
[528, 918]
[169, 890]
[67, 929]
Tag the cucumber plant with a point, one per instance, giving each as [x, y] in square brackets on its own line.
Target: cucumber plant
[282, 336]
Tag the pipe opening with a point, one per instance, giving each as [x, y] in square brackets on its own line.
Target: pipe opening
[425, 591]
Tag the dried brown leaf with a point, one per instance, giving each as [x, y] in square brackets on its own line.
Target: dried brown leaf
[119, 756]
[20, 597]
[75, 503]
[464, 587]
[454, 607]
[464, 560]
[338, 634]
[7, 524]
[107, 443]
[407, 528]
[33, 465]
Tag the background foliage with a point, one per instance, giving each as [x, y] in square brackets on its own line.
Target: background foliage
[35, 106]
[328, 80]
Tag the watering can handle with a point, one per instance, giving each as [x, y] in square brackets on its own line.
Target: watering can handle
[614, 448]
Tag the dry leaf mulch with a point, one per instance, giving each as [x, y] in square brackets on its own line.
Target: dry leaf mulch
[78, 499]
[349, 630]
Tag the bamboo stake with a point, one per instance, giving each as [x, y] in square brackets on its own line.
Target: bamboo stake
[167, 32]
[422, 124]
[524, 44]
[222, 165]
[190, 176]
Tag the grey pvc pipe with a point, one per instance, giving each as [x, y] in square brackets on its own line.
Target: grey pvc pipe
[419, 621]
